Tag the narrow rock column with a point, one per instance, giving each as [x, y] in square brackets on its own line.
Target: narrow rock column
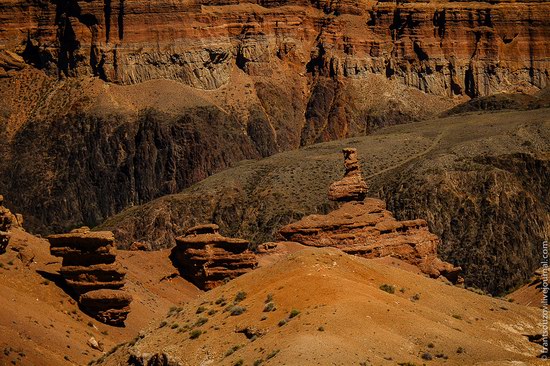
[352, 187]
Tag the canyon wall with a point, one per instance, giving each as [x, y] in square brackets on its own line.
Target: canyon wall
[444, 48]
[109, 104]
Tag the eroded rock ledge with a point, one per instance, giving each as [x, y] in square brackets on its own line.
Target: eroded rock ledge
[207, 258]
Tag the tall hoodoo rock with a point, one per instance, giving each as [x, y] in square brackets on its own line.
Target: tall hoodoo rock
[365, 228]
[89, 267]
[352, 187]
[207, 258]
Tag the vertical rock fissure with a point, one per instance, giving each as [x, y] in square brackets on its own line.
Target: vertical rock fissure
[107, 13]
[121, 20]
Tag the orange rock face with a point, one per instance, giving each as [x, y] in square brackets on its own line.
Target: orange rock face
[89, 267]
[443, 48]
[352, 187]
[368, 230]
[208, 259]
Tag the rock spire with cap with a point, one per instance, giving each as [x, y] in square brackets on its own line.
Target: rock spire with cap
[352, 187]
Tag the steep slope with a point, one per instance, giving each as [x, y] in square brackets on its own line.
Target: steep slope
[42, 325]
[201, 85]
[531, 293]
[320, 306]
[479, 180]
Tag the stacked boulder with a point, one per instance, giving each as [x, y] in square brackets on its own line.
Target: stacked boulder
[365, 228]
[89, 267]
[208, 259]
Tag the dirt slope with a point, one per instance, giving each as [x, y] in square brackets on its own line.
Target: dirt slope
[42, 325]
[341, 317]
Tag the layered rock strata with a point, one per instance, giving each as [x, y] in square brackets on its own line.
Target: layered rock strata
[90, 269]
[262, 77]
[352, 187]
[208, 259]
[444, 48]
[368, 230]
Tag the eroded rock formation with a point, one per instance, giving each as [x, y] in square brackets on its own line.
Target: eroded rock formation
[89, 267]
[7, 222]
[208, 259]
[352, 187]
[368, 230]
[365, 228]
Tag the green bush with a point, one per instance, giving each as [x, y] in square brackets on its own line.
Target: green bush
[272, 354]
[200, 322]
[240, 296]
[232, 350]
[195, 333]
[388, 288]
[294, 313]
[237, 310]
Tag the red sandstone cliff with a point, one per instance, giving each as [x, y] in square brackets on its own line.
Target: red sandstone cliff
[444, 48]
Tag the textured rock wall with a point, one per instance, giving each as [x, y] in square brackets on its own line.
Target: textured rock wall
[490, 212]
[472, 48]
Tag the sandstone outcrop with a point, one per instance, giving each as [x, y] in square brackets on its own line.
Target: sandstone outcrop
[365, 228]
[7, 222]
[368, 230]
[208, 259]
[90, 269]
[352, 187]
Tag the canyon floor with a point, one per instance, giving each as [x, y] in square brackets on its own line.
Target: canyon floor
[329, 309]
